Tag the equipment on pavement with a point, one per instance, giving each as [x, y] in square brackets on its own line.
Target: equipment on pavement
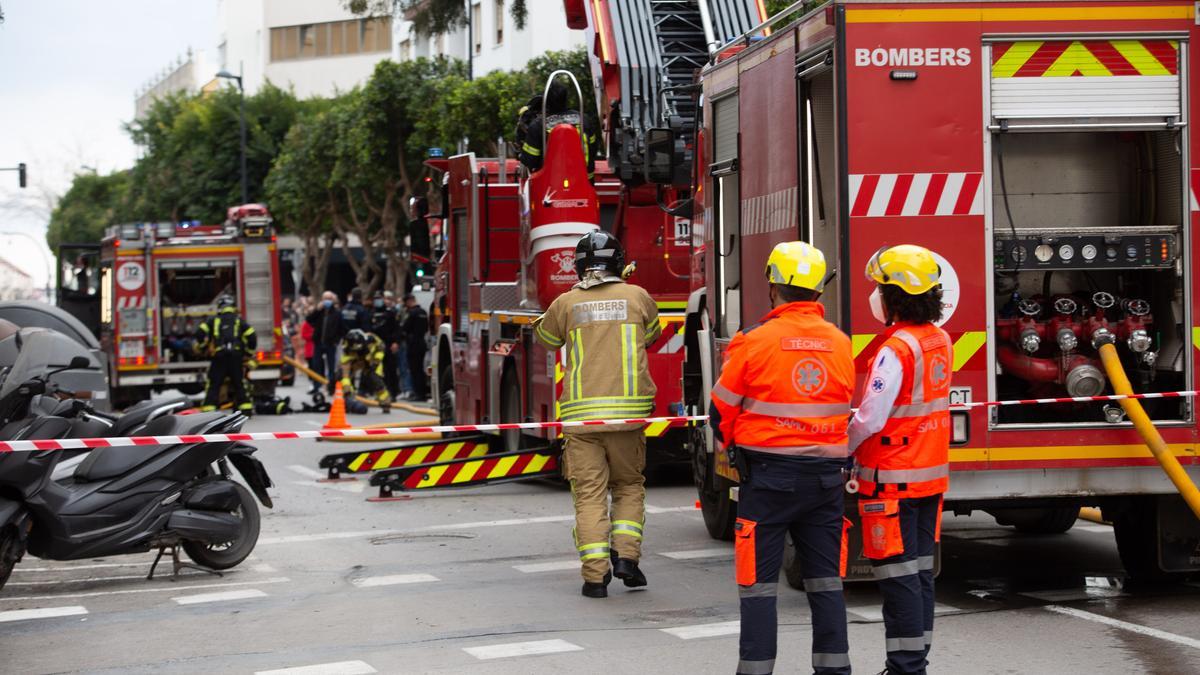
[145, 288]
[1058, 198]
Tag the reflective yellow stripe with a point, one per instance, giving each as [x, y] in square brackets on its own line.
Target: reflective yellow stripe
[386, 459]
[431, 478]
[577, 364]
[530, 150]
[537, 463]
[657, 429]
[548, 338]
[467, 472]
[502, 467]
[966, 346]
[419, 456]
[358, 461]
[860, 342]
[449, 452]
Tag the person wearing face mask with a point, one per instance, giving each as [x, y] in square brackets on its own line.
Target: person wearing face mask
[328, 330]
[780, 411]
[386, 326]
[900, 438]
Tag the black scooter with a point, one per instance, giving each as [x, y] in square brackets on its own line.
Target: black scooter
[121, 500]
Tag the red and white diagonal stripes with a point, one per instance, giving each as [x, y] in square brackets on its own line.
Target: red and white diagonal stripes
[916, 194]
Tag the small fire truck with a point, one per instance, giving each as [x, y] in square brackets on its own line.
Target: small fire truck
[159, 281]
[1044, 151]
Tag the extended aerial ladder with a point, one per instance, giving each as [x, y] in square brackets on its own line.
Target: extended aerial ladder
[644, 55]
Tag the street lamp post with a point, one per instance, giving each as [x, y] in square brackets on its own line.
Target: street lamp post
[225, 74]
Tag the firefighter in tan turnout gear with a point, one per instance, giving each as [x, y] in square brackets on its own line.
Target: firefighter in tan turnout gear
[605, 325]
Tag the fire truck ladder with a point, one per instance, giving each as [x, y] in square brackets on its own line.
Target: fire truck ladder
[660, 45]
[504, 467]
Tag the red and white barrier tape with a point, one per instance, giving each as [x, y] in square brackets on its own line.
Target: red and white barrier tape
[125, 441]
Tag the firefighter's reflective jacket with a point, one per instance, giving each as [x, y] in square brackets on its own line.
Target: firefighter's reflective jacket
[605, 325]
[226, 333]
[369, 354]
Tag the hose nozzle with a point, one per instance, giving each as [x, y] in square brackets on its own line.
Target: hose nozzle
[1103, 336]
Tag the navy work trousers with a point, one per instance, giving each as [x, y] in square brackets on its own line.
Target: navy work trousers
[906, 583]
[783, 495]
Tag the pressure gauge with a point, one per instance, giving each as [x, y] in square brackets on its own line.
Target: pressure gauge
[1044, 252]
[1088, 252]
[1019, 254]
[1110, 252]
[1066, 252]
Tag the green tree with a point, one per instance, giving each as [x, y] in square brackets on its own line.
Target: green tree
[380, 150]
[430, 17]
[298, 192]
[190, 168]
[92, 203]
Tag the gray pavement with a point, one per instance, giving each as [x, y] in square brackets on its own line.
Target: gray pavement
[483, 581]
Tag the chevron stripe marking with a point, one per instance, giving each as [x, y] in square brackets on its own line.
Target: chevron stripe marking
[657, 429]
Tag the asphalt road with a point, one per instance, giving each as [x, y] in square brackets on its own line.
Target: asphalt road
[484, 581]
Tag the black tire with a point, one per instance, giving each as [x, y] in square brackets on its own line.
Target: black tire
[10, 552]
[510, 411]
[231, 554]
[1055, 520]
[718, 510]
[1135, 529]
[192, 388]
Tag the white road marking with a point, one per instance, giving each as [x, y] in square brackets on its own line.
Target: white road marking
[356, 487]
[264, 568]
[1125, 625]
[503, 651]
[1104, 529]
[650, 508]
[548, 566]
[704, 630]
[55, 582]
[43, 613]
[97, 566]
[305, 471]
[393, 580]
[127, 591]
[875, 613]
[699, 553]
[338, 668]
[219, 596]
[1069, 594]
[298, 538]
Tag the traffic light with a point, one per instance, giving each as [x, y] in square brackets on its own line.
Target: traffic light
[21, 174]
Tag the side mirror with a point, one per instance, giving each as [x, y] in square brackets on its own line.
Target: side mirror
[79, 362]
[661, 159]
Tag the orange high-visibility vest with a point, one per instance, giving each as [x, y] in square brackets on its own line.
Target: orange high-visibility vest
[786, 385]
[910, 456]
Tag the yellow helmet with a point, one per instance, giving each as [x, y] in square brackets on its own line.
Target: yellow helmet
[912, 268]
[797, 263]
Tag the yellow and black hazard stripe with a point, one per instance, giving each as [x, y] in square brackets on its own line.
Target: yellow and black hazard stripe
[462, 473]
[409, 454]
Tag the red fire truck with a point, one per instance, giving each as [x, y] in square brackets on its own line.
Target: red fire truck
[1043, 150]
[159, 281]
[509, 242]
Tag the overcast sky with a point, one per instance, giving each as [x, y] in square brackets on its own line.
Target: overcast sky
[68, 73]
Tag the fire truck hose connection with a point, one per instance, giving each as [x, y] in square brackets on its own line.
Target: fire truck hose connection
[1141, 421]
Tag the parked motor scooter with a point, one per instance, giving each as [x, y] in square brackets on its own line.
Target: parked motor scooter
[121, 500]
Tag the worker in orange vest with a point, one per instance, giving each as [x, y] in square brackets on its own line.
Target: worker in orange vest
[900, 437]
[780, 409]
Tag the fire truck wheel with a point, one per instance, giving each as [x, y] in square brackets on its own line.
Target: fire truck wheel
[510, 409]
[445, 388]
[1136, 531]
[1055, 520]
[718, 510]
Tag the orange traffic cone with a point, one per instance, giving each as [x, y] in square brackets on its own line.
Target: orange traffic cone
[337, 411]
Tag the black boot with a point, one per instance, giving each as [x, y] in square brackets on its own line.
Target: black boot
[592, 589]
[627, 571]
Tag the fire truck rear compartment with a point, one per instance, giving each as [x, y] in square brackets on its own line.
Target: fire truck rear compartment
[189, 297]
[1087, 239]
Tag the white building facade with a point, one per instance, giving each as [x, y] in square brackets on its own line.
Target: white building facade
[493, 42]
[314, 47]
[191, 73]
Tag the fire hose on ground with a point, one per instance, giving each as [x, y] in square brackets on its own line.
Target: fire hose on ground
[1141, 422]
[365, 401]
